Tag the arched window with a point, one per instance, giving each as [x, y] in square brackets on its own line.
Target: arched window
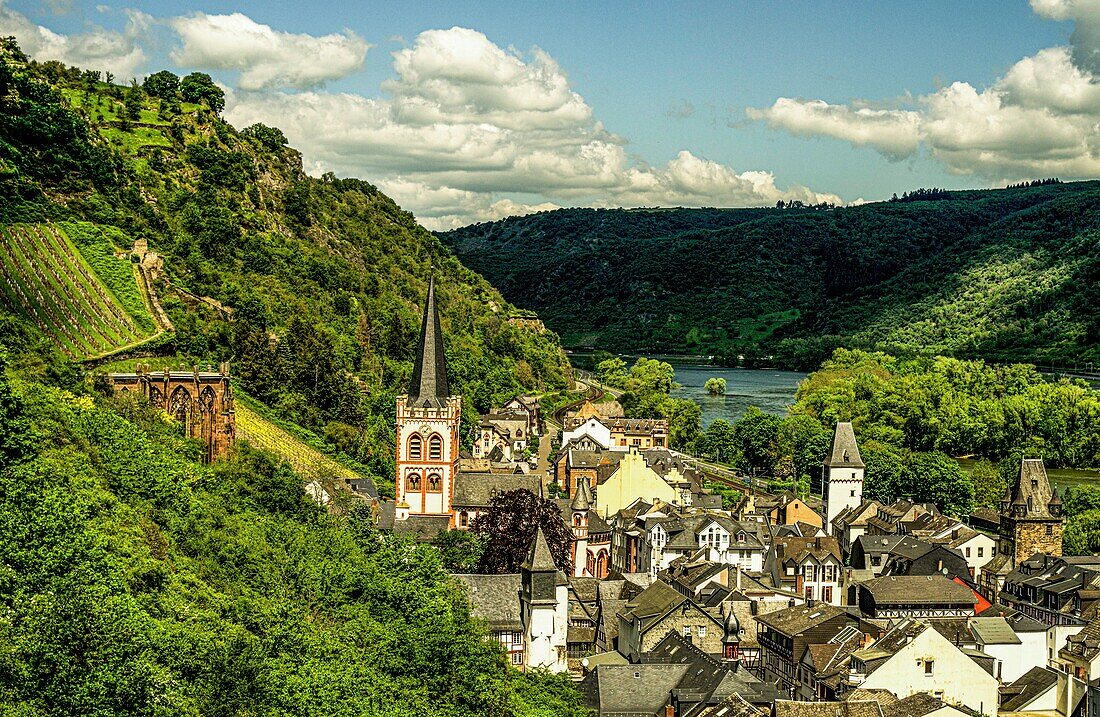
[435, 447]
[416, 447]
[434, 482]
[413, 481]
[577, 520]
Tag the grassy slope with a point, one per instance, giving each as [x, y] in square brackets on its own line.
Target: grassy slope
[1007, 274]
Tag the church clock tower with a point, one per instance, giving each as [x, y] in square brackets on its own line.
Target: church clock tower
[427, 428]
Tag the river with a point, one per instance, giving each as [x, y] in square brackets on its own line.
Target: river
[769, 390]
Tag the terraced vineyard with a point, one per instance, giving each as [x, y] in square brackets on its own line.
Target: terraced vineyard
[305, 459]
[43, 275]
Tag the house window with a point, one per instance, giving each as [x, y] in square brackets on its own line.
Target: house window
[853, 492]
[830, 574]
[928, 666]
[517, 658]
[827, 593]
[1050, 529]
[993, 551]
[463, 519]
[517, 638]
[687, 630]
[968, 551]
[434, 482]
[414, 481]
[809, 592]
[981, 552]
[416, 447]
[701, 631]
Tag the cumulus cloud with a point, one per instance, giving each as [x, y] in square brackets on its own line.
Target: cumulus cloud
[265, 57]
[467, 126]
[97, 48]
[1040, 119]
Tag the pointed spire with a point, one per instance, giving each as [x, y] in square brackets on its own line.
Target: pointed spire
[845, 453]
[582, 501]
[539, 557]
[428, 388]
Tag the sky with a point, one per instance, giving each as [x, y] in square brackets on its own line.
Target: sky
[472, 111]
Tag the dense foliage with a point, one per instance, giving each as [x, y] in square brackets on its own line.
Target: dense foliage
[137, 581]
[507, 529]
[1010, 275]
[316, 284]
[646, 387]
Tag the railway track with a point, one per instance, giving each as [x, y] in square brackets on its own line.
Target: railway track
[594, 393]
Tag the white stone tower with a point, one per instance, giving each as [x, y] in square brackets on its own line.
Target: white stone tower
[842, 481]
[544, 604]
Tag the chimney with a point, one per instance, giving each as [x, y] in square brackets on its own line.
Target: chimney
[670, 711]
[739, 577]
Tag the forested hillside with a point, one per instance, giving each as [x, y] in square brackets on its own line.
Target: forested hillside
[1006, 274]
[310, 288]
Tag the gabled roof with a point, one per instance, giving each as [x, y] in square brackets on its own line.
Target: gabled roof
[795, 620]
[994, 631]
[428, 387]
[477, 490]
[1028, 686]
[849, 708]
[918, 590]
[915, 705]
[845, 453]
[494, 599]
[1032, 488]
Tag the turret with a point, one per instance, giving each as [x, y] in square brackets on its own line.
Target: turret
[731, 638]
[1054, 507]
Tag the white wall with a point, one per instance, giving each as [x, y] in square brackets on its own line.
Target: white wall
[959, 678]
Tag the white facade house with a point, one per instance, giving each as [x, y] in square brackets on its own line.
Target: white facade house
[1015, 653]
[680, 533]
[544, 605]
[913, 657]
[978, 548]
[592, 428]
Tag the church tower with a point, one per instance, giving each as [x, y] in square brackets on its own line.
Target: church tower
[582, 503]
[842, 481]
[1031, 515]
[544, 608]
[427, 428]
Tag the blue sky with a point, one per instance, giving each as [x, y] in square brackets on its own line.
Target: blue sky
[667, 103]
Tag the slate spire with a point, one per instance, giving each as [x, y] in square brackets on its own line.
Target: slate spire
[539, 557]
[582, 501]
[845, 453]
[428, 388]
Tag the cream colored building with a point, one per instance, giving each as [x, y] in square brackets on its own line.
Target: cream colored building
[632, 480]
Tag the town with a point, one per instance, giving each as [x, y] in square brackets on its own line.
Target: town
[672, 605]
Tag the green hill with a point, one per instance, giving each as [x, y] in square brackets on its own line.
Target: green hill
[1001, 274]
[310, 287]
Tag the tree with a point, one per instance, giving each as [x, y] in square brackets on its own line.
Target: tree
[461, 550]
[199, 88]
[757, 439]
[270, 137]
[1080, 499]
[508, 528]
[16, 440]
[937, 477]
[1081, 535]
[989, 484]
[719, 440]
[683, 423]
[133, 103]
[715, 386]
[612, 371]
[164, 85]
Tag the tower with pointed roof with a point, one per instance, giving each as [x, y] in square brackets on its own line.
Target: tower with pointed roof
[428, 419]
[842, 479]
[544, 607]
[578, 509]
[1031, 514]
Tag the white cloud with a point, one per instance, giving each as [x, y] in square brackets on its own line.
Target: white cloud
[97, 48]
[466, 126]
[265, 57]
[1040, 119]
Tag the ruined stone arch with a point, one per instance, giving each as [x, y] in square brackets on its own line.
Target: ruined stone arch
[156, 397]
[181, 408]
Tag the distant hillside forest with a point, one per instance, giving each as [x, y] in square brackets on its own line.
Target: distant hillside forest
[1005, 275]
[315, 285]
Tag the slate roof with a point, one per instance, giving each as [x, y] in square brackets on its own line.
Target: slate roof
[477, 490]
[539, 557]
[1032, 488]
[422, 528]
[798, 549]
[732, 706]
[850, 708]
[428, 387]
[1027, 687]
[631, 690]
[918, 590]
[994, 631]
[845, 453]
[797, 619]
[583, 459]
[494, 599]
[1085, 644]
[915, 705]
